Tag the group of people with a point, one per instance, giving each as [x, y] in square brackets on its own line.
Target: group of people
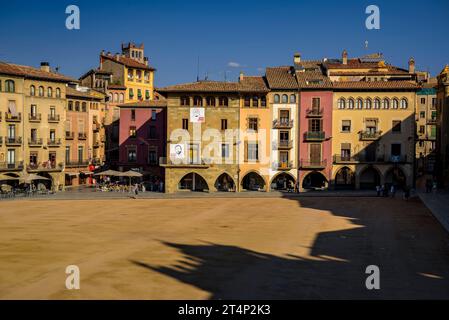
[390, 191]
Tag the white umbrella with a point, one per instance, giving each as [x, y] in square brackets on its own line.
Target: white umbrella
[109, 173]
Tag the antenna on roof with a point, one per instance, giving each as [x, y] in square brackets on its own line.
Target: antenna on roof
[198, 69]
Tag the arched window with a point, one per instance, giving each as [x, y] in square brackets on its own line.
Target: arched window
[58, 93]
[351, 103]
[263, 101]
[70, 106]
[197, 101]
[110, 97]
[395, 103]
[77, 106]
[292, 98]
[41, 91]
[284, 98]
[84, 107]
[359, 104]
[247, 101]
[49, 92]
[210, 101]
[368, 103]
[116, 97]
[10, 86]
[341, 103]
[255, 101]
[404, 103]
[386, 103]
[32, 91]
[185, 101]
[376, 103]
[277, 99]
[223, 101]
[121, 98]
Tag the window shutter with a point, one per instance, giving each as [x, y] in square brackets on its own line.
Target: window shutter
[246, 151]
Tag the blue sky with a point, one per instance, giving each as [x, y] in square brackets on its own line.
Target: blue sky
[251, 33]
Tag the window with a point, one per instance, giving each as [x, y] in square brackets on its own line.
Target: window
[247, 102]
[131, 93]
[315, 125]
[210, 101]
[153, 115]
[152, 157]
[341, 103]
[396, 126]
[350, 104]
[115, 99]
[404, 104]
[423, 100]
[197, 101]
[422, 114]
[32, 91]
[132, 155]
[395, 103]
[255, 101]
[376, 103]
[225, 150]
[77, 106]
[70, 105]
[371, 125]
[11, 157]
[185, 101]
[345, 151]
[139, 75]
[147, 94]
[253, 151]
[132, 132]
[284, 98]
[368, 104]
[49, 92]
[58, 93]
[83, 107]
[224, 124]
[152, 132]
[316, 103]
[33, 110]
[346, 125]
[11, 131]
[252, 124]
[422, 129]
[359, 104]
[292, 98]
[139, 93]
[10, 86]
[283, 136]
[122, 98]
[130, 74]
[67, 154]
[263, 101]
[133, 115]
[277, 98]
[434, 115]
[434, 102]
[223, 101]
[185, 124]
[386, 103]
[52, 135]
[395, 149]
[41, 91]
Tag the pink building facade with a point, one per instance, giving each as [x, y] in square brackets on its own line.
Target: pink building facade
[315, 134]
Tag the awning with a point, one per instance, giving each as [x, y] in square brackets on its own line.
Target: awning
[87, 173]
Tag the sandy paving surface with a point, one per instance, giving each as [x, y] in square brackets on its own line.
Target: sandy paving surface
[221, 248]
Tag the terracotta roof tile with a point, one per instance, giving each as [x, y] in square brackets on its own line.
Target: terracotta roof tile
[373, 85]
[145, 104]
[248, 84]
[128, 62]
[309, 74]
[281, 78]
[71, 92]
[32, 73]
[116, 87]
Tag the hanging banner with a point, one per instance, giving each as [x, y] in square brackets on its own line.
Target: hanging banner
[197, 115]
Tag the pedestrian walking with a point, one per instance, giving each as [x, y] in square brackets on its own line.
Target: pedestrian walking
[434, 187]
[393, 191]
[378, 190]
[428, 186]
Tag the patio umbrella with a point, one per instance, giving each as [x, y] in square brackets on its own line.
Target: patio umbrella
[130, 174]
[6, 177]
[29, 177]
[109, 173]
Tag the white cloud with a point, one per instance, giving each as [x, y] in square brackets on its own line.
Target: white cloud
[234, 64]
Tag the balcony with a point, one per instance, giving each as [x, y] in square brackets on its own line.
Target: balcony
[13, 141]
[398, 159]
[313, 164]
[314, 136]
[284, 144]
[314, 113]
[431, 121]
[34, 117]
[345, 159]
[370, 135]
[54, 142]
[82, 136]
[45, 166]
[54, 118]
[35, 142]
[282, 123]
[190, 163]
[15, 166]
[9, 117]
[283, 165]
[77, 163]
[69, 135]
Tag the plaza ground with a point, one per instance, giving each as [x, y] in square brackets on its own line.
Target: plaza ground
[212, 248]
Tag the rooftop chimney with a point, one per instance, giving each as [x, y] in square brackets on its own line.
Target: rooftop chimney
[411, 65]
[241, 76]
[344, 57]
[297, 58]
[45, 66]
